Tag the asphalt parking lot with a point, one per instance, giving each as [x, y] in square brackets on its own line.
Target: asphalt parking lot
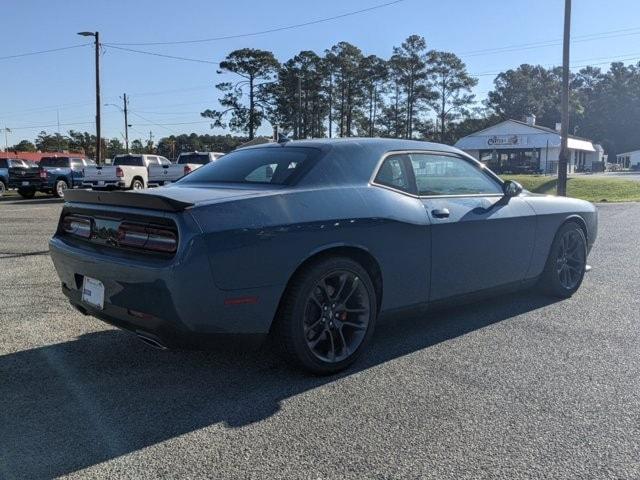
[516, 387]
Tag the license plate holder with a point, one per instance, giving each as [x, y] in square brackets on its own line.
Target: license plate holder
[25, 183]
[100, 182]
[93, 292]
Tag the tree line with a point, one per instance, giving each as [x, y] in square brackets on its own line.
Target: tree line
[170, 147]
[416, 92]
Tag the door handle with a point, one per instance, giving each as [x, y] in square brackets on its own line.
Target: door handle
[440, 212]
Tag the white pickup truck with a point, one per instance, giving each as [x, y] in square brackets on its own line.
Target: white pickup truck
[187, 163]
[129, 171]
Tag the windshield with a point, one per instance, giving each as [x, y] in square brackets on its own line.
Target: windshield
[197, 158]
[271, 165]
[16, 163]
[129, 160]
[58, 162]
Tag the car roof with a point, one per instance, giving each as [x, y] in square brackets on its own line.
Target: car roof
[349, 161]
[387, 144]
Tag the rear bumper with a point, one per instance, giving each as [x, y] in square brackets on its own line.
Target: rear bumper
[174, 301]
[103, 184]
[37, 184]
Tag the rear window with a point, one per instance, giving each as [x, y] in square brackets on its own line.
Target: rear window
[197, 158]
[129, 160]
[58, 162]
[272, 165]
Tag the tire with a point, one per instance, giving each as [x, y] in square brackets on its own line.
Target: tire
[137, 184]
[327, 315]
[59, 188]
[3, 188]
[27, 193]
[567, 262]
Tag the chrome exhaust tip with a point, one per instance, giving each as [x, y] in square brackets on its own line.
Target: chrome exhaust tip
[152, 342]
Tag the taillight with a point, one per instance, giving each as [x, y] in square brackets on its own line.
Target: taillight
[78, 226]
[119, 172]
[147, 237]
[43, 174]
[187, 169]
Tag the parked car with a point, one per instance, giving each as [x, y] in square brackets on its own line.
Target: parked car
[62, 173]
[128, 171]
[17, 173]
[309, 241]
[186, 163]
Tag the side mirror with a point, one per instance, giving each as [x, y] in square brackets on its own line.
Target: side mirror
[511, 188]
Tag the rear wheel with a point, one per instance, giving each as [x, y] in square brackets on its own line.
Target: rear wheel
[3, 188]
[567, 262]
[27, 192]
[328, 315]
[137, 184]
[60, 187]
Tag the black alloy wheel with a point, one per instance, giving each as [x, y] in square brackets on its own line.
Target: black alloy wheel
[336, 316]
[327, 315]
[567, 262]
[570, 259]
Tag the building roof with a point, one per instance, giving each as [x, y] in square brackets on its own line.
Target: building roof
[627, 153]
[471, 142]
[37, 156]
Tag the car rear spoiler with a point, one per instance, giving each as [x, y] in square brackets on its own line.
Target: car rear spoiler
[127, 199]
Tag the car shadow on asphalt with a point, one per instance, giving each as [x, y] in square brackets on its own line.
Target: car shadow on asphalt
[68, 406]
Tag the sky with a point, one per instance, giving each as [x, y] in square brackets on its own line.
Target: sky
[167, 95]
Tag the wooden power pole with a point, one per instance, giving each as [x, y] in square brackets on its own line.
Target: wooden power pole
[563, 160]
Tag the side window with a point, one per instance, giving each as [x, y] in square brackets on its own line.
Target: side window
[394, 173]
[448, 175]
[152, 160]
[76, 163]
[262, 174]
[3, 163]
[164, 161]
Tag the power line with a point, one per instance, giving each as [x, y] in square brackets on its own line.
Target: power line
[29, 127]
[173, 57]
[271, 30]
[555, 42]
[19, 55]
[153, 123]
[620, 58]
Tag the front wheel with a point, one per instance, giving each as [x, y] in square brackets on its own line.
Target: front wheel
[566, 263]
[137, 184]
[61, 186]
[3, 188]
[27, 192]
[328, 315]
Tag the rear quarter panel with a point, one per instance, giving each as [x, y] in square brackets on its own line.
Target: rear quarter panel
[260, 242]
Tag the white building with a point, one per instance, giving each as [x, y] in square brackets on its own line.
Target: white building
[524, 147]
[629, 159]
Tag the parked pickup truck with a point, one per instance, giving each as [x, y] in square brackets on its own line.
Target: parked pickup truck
[128, 171]
[187, 163]
[16, 173]
[63, 172]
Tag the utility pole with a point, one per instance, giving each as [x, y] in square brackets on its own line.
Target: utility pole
[6, 140]
[330, 103]
[96, 35]
[564, 127]
[150, 145]
[299, 107]
[58, 119]
[126, 122]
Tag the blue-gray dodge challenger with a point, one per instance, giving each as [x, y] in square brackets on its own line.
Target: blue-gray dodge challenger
[309, 242]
